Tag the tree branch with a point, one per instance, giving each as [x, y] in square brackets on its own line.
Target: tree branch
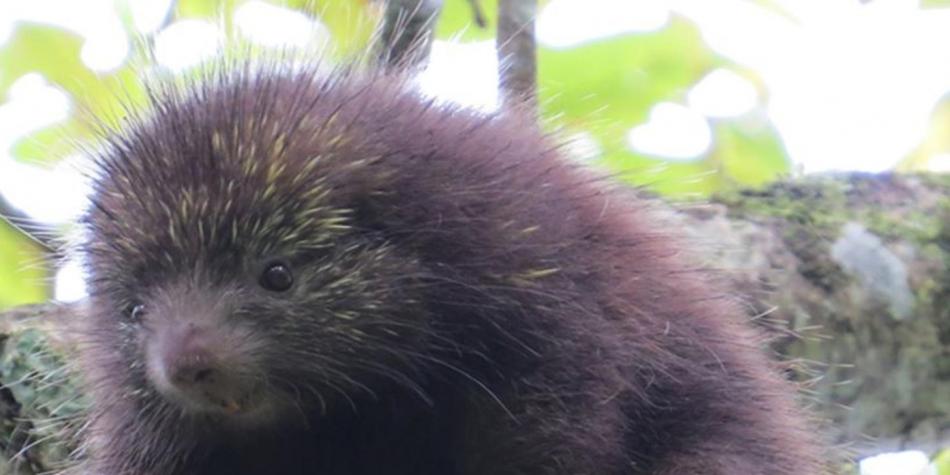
[49, 312]
[477, 14]
[405, 38]
[39, 233]
[517, 55]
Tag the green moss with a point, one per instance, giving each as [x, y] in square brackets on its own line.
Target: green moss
[40, 400]
[816, 204]
[936, 180]
[893, 367]
[811, 214]
[940, 296]
[916, 227]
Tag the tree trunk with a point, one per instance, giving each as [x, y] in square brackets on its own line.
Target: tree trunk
[852, 274]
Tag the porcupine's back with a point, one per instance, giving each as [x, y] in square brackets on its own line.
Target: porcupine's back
[448, 265]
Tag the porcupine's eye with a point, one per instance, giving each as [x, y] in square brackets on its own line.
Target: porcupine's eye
[135, 312]
[277, 277]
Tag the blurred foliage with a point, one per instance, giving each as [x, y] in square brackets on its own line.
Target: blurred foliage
[457, 20]
[36, 373]
[936, 140]
[604, 88]
[54, 53]
[351, 22]
[205, 9]
[634, 72]
[942, 462]
[774, 6]
[22, 275]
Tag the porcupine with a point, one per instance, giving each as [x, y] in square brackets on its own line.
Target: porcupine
[302, 272]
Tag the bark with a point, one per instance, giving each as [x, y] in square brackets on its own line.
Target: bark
[405, 36]
[39, 233]
[517, 52]
[851, 274]
[478, 16]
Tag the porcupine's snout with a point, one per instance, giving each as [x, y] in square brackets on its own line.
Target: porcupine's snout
[189, 366]
[199, 361]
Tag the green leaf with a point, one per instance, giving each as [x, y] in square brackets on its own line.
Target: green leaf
[205, 9]
[457, 20]
[617, 80]
[750, 151]
[351, 22]
[942, 462]
[935, 142]
[668, 178]
[55, 53]
[776, 7]
[609, 86]
[22, 274]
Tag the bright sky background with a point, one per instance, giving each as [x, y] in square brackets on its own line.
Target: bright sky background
[851, 85]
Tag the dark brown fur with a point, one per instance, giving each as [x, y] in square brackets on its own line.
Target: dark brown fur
[466, 301]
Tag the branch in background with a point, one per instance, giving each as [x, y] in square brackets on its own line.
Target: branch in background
[37, 232]
[406, 34]
[169, 15]
[48, 310]
[517, 51]
[478, 14]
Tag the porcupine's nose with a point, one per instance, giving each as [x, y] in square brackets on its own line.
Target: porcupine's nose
[187, 359]
[194, 370]
[190, 367]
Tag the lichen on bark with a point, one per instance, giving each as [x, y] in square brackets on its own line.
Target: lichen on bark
[858, 266]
